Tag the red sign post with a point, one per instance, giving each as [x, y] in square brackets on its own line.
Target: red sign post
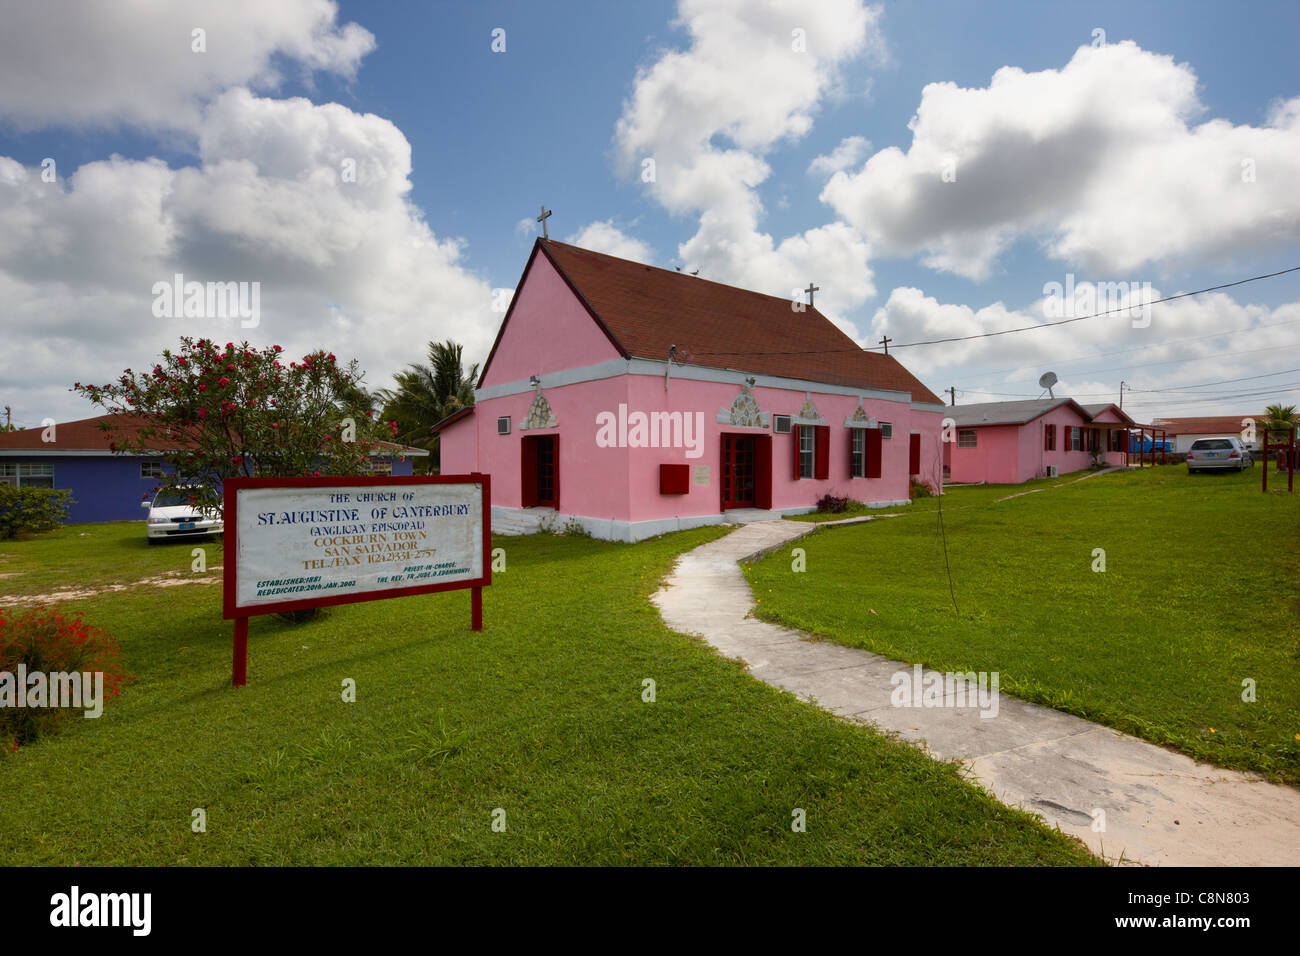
[340, 540]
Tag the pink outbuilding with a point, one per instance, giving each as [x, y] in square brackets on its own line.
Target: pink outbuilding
[1011, 442]
[631, 400]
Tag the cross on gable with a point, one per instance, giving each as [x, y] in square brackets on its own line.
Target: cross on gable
[546, 214]
[810, 290]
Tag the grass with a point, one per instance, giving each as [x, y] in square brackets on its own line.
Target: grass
[962, 496]
[1199, 594]
[540, 715]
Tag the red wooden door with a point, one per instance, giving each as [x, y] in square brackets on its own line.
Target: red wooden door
[738, 471]
[540, 471]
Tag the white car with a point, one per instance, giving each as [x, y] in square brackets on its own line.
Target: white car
[173, 516]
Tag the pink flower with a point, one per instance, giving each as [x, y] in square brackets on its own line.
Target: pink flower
[203, 413]
[223, 381]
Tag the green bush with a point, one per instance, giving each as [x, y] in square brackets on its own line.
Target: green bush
[25, 510]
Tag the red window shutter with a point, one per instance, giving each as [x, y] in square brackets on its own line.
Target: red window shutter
[528, 473]
[555, 468]
[913, 454]
[763, 471]
[874, 447]
[1047, 438]
[821, 451]
[797, 434]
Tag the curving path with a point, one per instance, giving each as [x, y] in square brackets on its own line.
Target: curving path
[1161, 807]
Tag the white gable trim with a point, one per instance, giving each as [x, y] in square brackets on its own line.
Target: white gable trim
[637, 366]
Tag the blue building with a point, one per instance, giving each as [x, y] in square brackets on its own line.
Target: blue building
[108, 486]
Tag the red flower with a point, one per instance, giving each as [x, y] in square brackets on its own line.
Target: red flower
[223, 381]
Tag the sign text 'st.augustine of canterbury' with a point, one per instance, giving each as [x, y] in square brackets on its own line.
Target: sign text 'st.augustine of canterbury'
[345, 540]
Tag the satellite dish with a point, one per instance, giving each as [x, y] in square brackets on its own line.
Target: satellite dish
[1047, 380]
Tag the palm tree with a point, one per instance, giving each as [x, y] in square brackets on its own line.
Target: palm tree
[1279, 420]
[426, 394]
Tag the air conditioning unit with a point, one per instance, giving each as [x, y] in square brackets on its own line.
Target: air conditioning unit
[503, 425]
[781, 424]
[1053, 471]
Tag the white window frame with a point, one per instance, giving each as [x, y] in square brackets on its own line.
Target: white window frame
[859, 453]
[27, 473]
[974, 438]
[1076, 438]
[807, 451]
[148, 469]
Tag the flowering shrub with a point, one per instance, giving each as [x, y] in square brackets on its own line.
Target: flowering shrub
[47, 641]
[920, 489]
[28, 510]
[832, 503]
[224, 411]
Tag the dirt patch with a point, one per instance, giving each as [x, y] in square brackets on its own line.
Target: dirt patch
[169, 579]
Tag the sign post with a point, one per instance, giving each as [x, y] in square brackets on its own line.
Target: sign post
[297, 543]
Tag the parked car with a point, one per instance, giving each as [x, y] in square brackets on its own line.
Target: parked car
[172, 516]
[1208, 454]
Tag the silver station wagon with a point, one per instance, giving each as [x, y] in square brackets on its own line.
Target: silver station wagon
[1208, 454]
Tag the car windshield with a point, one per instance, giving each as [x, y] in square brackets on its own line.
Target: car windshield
[172, 497]
[1212, 444]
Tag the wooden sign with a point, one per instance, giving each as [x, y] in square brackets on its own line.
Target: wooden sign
[297, 543]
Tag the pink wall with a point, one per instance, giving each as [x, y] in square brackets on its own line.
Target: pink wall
[623, 483]
[549, 331]
[994, 458]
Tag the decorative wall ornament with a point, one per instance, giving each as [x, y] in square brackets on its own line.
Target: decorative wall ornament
[744, 411]
[808, 414]
[860, 418]
[539, 414]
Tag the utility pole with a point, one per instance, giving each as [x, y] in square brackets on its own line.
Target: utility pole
[953, 392]
[1121, 396]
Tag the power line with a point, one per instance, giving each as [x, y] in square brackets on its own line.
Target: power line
[1158, 345]
[1178, 361]
[1226, 381]
[1024, 328]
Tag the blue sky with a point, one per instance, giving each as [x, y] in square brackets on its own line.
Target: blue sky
[221, 187]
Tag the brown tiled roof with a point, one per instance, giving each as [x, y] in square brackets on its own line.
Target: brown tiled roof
[83, 435]
[86, 435]
[644, 310]
[1216, 425]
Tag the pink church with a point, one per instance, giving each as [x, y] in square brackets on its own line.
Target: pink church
[1011, 442]
[633, 400]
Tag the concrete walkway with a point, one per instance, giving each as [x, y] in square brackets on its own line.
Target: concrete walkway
[1161, 808]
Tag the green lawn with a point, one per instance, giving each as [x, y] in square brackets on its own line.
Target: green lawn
[540, 715]
[1201, 591]
[963, 497]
